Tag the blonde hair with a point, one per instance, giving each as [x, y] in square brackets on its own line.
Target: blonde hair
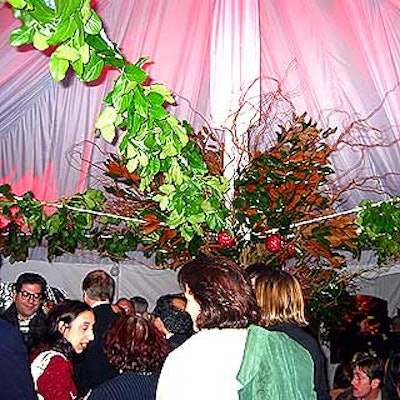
[280, 298]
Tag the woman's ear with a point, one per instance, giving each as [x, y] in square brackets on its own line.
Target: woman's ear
[62, 327]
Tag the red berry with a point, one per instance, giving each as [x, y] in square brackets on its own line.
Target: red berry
[273, 243]
[291, 250]
[225, 239]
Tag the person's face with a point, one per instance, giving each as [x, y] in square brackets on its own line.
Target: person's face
[192, 307]
[28, 299]
[80, 332]
[178, 303]
[362, 384]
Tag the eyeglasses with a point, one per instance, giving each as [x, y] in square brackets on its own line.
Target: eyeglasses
[30, 296]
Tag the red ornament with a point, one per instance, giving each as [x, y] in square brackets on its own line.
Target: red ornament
[225, 239]
[291, 251]
[273, 243]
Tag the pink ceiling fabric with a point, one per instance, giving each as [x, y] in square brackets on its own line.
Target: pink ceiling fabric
[337, 60]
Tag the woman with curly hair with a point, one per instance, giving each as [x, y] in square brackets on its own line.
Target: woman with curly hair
[137, 349]
[69, 330]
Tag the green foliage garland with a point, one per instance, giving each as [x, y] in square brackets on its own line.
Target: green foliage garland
[152, 140]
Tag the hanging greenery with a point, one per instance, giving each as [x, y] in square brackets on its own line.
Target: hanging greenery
[167, 197]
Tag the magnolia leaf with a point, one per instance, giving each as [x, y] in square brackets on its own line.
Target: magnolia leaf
[132, 164]
[154, 98]
[93, 69]
[108, 133]
[187, 232]
[107, 116]
[65, 8]
[167, 189]
[40, 41]
[41, 12]
[58, 68]
[135, 73]
[163, 201]
[84, 52]
[158, 112]
[78, 68]
[67, 53]
[197, 218]
[65, 30]
[175, 172]
[85, 9]
[17, 3]
[93, 25]
[143, 159]
[175, 219]
[21, 36]
[163, 91]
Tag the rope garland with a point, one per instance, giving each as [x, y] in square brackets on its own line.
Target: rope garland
[273, 230]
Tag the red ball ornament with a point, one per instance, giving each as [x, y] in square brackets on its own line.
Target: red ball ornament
[291, 250]
[225, 239]
[273, 243]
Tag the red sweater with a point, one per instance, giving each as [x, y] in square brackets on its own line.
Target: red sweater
[57, 382]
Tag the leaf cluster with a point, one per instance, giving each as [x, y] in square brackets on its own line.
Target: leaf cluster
[378, 229]
[72, 31]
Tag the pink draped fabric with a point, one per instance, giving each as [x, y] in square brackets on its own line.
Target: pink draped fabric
[337, 60]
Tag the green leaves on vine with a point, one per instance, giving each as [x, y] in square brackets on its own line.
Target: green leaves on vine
[73, 26]
[154, 143]
[379, 228]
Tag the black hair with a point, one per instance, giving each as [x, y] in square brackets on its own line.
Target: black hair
[66, 311]
[140, 303]
[31, 278]
[174, 319]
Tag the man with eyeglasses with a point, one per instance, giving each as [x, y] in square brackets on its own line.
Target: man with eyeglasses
[26, 312]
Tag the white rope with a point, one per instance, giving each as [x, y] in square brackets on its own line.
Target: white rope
[273, 230]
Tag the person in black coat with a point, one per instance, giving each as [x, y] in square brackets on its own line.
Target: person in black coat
[138, 349]
[92, 367]
[15, 377]
[280, 298]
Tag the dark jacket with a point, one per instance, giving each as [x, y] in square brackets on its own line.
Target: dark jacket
[92, 367]
[128, 386]
[15, 376]
[37, 326]
[309, 343]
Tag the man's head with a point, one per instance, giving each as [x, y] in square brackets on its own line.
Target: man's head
[367, 376]
[98, 285]
[140, 304]
[395, 324]
[173, 317]
[29, 293]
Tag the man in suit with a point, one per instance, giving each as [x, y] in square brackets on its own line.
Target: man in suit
[26, 313]
[92, 367]
[16, 380]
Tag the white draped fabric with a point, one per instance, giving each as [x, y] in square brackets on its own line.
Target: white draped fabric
[338, 60]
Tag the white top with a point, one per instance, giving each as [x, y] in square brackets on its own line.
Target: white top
[204, 367]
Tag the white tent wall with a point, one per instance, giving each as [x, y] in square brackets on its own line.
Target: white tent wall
[131, 279]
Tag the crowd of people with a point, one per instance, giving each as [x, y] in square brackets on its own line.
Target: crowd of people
[232, 333]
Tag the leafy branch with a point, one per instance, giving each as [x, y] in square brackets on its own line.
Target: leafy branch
[153, 142]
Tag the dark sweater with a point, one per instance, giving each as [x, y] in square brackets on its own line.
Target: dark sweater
[37, 326]
[15, 376]
[312, 346]
[128, 386]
